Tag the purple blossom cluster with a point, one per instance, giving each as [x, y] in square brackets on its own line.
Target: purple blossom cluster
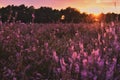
[59, 51]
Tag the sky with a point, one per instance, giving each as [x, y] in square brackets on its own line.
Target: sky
[89, 6]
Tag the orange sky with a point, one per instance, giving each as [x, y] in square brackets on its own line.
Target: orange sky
[90, 6]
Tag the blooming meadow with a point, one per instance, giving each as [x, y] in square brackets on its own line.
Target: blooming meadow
[60, 51]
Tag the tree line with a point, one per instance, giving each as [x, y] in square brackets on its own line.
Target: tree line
[27, 14]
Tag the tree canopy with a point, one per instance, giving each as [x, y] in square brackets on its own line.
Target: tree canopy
[48, 15]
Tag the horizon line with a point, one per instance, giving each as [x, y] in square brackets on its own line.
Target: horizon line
[81, 10]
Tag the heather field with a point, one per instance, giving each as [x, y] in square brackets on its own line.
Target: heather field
[60, 51]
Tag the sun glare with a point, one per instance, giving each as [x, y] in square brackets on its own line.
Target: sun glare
[96, 17]
[62, 17]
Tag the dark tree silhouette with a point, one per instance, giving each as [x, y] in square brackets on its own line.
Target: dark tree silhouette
[71, 15]
[44, 15]
[25, 14]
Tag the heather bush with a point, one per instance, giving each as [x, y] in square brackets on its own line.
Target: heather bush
[59, 51]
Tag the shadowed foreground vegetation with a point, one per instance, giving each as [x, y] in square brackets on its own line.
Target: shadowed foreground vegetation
[59, 51]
